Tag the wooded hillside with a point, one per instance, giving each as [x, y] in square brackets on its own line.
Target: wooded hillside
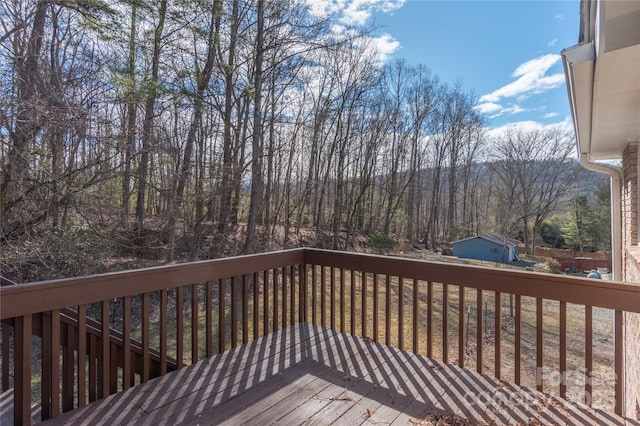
[183, 130]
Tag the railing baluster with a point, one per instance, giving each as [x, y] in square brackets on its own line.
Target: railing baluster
[415, 318]
[497, 319]
[275, 300]
[22, 370]
[126, 342]
[245, 309]
[352, 289]
[563, 350]
[401, 313]
[284, 318]
[164, 300]
[363, 312]
[518, 340]
[82, 355]
[375, 307]
[234, 312]
[619, 361]
[46, 361]
[99, 368]
[314, 295]
[445, 322]
[292, 285]
[302, 289]
[461, 347]
[6, 351]
[68, 359]
[429, 319]
[323, 298]
[256, 305]
[342, 301]
[539, 344]
[265, 302]
[387, 313]
[479, 337]
[287, 300]
[588, 354]
[208, 307]
[180, 326]
[55, 363]
[146, 360]
[105, 350]
[195, 326]
[221, 314]
[332, 300]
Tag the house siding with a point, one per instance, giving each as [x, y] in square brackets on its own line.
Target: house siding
[481, 249]
[631, 274]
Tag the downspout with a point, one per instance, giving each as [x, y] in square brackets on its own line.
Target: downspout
[584, 54]
[616, 211]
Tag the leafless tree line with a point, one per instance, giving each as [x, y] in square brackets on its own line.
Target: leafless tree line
[210, 116]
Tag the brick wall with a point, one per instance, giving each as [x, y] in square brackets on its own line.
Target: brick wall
[631, 274]
[630, 195]
[631, 323]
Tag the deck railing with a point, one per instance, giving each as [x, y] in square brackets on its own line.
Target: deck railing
[532, 329]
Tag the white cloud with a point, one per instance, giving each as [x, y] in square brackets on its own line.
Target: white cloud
[531, 79]
[338, 29]
[497, 110]
[529, 125]
[487, 107]
[385, 45]
[552, 42]
[324, 8]
[358, 12]
[559, 17]
[550, 115]
[352, 12]
[515, 109]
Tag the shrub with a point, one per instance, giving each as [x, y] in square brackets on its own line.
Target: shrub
[382, 243]
[553, 266]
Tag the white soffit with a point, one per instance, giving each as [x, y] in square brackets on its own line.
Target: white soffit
[616, 92]
[604, 89]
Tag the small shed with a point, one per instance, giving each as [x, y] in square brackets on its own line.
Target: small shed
[492, 247]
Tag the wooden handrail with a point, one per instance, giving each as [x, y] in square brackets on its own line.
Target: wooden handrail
[53, 309]
[56, 294]
[583, 291]
[377, 271]
[386, 299]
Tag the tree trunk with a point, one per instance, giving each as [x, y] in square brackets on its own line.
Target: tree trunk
[147, 126]
[226, 186]
[26, 127]
[130, 137]
[256, 145]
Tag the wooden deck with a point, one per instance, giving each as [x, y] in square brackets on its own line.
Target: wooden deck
[307, 374]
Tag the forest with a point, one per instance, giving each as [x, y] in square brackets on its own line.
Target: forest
[176, 130]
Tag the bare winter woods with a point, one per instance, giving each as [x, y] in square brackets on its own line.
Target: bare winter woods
[215, 127]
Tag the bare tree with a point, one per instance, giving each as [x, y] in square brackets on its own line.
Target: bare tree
[535, 168]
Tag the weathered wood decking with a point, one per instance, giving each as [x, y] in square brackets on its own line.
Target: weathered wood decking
[310, 375]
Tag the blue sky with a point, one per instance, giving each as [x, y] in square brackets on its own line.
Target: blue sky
[506, 52]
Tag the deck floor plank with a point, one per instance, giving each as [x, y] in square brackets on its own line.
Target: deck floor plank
[307, 374]
[346, 390]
